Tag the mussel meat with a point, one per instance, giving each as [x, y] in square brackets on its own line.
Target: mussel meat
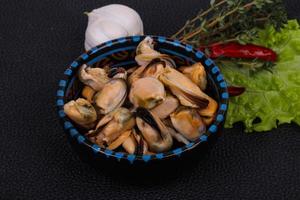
[88, 93]
[147, 92]
[122, 121]
[117, 72]
[209, 112]
[188, 122]
[188, 93]
[164, 109]
[136, 74]
[196, 73]
[145, 52]
[120, 140]
[93, 77]
[130, 144]
[153, 130]
[81, 112]
[179, 137]
[155, 68]
[112, 95]
[142, 146]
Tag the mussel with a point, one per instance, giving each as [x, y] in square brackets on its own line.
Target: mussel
[136, 74]
[130, 144]
[117, 72]
[145, 52]
[153, 130]
[122, 121]
[153, 69]
[127, 141]
[141, 145]
[93, 77]
[209, 112]
[112, 95]
[81, 112]
[188, 122]
[120, 140]
[188, 93]
[178, 136]
[88, 93]
[164, 109]
[196, 73]
[147, 92]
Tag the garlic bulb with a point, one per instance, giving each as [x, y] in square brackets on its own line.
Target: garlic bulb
[111, 22]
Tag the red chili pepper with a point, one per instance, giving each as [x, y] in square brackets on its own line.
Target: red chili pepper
[235, 91]
[235, 50]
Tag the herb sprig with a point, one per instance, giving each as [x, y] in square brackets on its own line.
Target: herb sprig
[231, 20]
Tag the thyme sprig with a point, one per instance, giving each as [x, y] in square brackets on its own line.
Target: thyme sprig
[231, 20]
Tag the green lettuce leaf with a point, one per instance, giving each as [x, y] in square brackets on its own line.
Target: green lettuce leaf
[273, 97]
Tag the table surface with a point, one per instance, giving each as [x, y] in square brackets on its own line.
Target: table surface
[38, 39]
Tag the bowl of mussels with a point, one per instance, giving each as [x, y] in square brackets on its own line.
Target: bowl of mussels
[142, 98]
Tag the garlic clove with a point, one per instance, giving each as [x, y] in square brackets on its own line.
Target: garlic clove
[94, 37]
[101, 31]
[121, 13]
[112, 29]
[111, 22]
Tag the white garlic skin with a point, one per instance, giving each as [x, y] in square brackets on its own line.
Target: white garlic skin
[111, 22]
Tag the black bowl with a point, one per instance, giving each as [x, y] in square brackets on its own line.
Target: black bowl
[121, 52]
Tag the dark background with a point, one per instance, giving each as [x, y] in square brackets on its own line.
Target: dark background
[38, 39]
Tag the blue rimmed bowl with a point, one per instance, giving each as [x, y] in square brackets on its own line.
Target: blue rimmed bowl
[120, 53]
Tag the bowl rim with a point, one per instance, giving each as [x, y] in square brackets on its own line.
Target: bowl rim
[209, 65]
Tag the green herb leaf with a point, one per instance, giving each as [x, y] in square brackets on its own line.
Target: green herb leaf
[274, 97]
[225, 19]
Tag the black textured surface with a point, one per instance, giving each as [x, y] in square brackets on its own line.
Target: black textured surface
[37, 40]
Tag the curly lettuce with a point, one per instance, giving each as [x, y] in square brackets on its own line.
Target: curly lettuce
[272, 97]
